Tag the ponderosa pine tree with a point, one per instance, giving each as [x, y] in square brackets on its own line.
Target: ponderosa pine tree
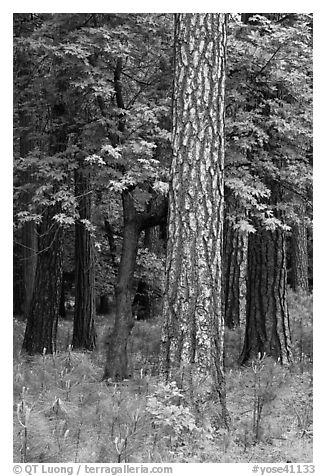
[299, 250]
[84, 336]
[267, 316]
[269, 150]
[43, 312]
[193, 332]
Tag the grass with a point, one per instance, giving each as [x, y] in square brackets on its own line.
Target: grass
[64, 413]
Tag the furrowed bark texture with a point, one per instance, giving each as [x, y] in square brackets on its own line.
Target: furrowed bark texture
[193, 331]
[84, 335]
[42, 316]
[267, 327]
[300, 252]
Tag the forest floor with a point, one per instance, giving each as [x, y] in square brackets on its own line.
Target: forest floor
[63, 412]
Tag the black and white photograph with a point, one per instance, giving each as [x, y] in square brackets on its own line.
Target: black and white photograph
[162, 241]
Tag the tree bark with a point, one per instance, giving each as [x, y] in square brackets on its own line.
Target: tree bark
[300, 252]
[267, 326]
[235, 244]
[42, 316]
[29, 262]
[117, 359]
[84, 335]
[193, 332]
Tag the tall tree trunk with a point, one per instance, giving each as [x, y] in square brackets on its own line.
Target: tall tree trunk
[116, 366]
[42, 316]
[235, 244]
[29, 262]
[267, 326]
[300, 252]
[193, 333]
[84, 336]
[62, 304]
[29, 235]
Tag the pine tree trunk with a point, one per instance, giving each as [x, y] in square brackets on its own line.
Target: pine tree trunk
[234, 275]
[29, 262]
[193, 333]
[267, 326]
[300, 253]
[84, 336]
[42, 316]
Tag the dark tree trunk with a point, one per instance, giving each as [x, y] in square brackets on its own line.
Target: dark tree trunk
[267, 326]
[29, 262]
[117, 360]
[141, 306]
[234, 275]
[300, 253]
[109, 236]
[84, 335]
[62, 304]
[103, 306]
[134, 222]
[42, 316]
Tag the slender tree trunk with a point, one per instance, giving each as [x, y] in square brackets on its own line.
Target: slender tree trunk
[267, 326]
[134, 222]
[234, 275]
[29, 262]
[84, 335]
[142, 306]
[42, 316]
[117, 359]
[116, 366]
[62, 304]
[193, 332]
[300, 252]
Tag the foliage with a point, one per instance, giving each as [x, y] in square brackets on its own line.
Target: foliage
[269, 114]
[65, 79]
[67, 116]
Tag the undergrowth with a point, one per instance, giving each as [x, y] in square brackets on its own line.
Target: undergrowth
[63, 412]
